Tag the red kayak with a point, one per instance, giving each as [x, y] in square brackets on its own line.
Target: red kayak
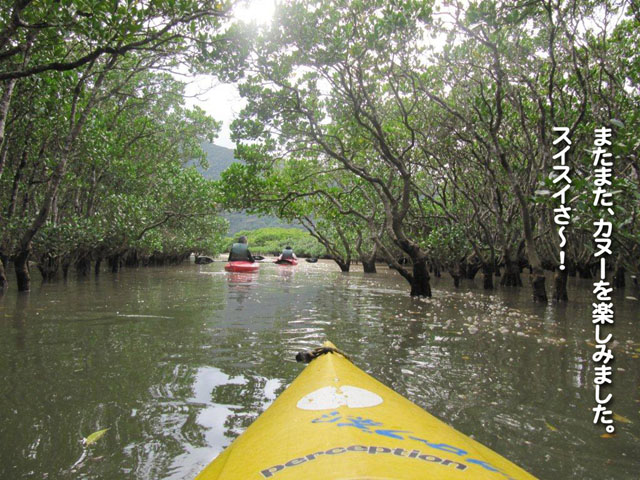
[241, 267]
[287, 263]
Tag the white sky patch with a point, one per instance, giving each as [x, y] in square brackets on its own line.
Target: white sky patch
[255, 11]
[220, 100]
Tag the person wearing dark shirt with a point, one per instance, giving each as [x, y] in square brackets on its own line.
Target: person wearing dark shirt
[240, 251]
[287, 256]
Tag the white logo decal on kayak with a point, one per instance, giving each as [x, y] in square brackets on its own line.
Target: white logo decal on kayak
[332, 397]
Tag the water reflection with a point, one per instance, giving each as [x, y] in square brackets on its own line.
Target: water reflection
[178, 361]
[286, 273]
[238, 279]
[20, 320]
[239, 285]
[208, 425]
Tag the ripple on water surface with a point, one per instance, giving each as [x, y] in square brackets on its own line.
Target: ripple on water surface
[177, 362]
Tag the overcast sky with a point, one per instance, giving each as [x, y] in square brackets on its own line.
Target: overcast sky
[222, 101]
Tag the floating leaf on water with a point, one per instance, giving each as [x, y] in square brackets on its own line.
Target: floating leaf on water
[607, 435]
[551, 427]
[95, 436]
[620, 418]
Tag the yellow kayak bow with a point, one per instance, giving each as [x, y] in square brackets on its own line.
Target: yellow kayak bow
[336, 422]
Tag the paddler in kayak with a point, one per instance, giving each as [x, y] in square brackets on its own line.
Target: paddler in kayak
[287, 256]
[240, 251]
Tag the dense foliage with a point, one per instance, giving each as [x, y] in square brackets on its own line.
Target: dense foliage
[94, 134]
[218, 159]
[416, 132]
[424, 131]
[271, 241]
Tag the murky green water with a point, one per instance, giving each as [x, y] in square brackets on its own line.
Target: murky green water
[177, 362]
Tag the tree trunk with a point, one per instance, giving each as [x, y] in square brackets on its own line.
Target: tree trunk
[114, 263]
[132, 260]
[369, 266]
[472, 270]
[539, 290]
[83, 266]
[96, 269]
[487, 276]
[584, 271]
[560, 285]
[538, 283]
[21, 264]
[456, 273]
[344, 266]
[436, 271]
[420, 286]
[48, 267]
[55, 179]
[618, 276]
[511, 276]
[3, 278]
[5, 101]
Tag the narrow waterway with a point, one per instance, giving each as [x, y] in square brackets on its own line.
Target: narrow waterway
[176, 362]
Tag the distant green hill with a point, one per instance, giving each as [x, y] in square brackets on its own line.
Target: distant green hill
[219, 159]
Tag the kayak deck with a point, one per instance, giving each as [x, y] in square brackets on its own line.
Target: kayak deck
[336, 422]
